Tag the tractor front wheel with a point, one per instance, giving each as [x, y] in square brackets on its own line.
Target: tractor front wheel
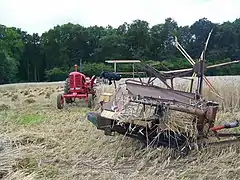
[60, 101]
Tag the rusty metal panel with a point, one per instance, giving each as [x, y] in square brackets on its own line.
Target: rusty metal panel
[103, 123]
[160, 93]
[211, 113]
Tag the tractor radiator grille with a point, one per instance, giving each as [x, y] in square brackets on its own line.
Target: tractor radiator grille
[78, 81]
[75, 81]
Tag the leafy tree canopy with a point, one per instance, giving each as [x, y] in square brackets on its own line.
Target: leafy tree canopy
[51, 56]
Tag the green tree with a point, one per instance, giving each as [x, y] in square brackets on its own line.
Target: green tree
[51, 56]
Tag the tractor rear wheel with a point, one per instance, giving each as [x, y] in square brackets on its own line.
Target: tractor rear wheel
[90, 100]
[67, 90]
[67, 86]
[60, 101]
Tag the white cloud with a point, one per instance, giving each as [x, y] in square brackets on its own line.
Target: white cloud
[41, 15]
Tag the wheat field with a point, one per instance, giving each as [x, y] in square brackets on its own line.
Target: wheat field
[38, 141]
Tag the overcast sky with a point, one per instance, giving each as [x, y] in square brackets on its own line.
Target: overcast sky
[41, 15]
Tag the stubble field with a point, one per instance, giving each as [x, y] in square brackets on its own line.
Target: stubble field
[38, 141]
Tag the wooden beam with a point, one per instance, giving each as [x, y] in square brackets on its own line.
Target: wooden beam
[122, 61]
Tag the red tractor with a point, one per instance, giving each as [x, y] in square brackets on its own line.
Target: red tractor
[77, 85]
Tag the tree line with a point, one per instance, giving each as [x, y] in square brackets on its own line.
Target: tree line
[52, 55]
